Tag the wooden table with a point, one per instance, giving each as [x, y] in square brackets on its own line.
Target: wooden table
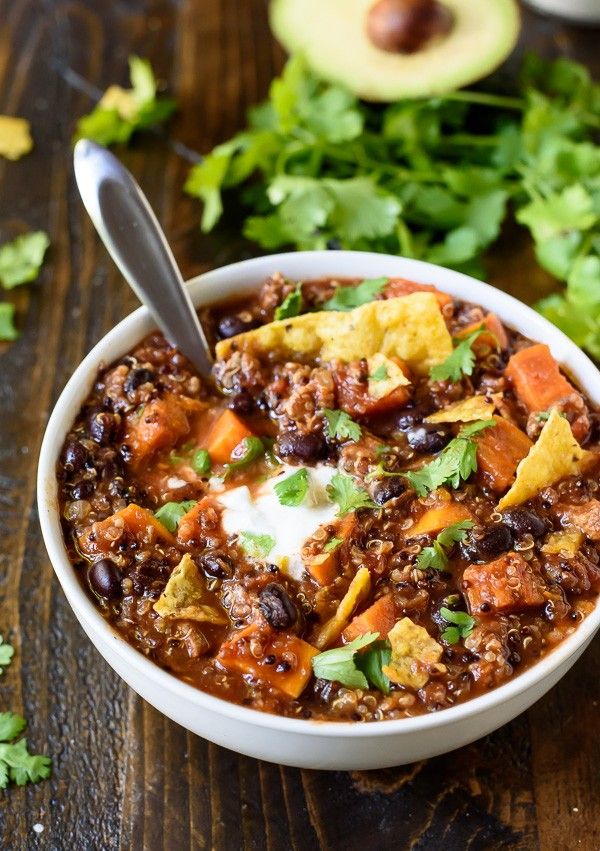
[125, 776]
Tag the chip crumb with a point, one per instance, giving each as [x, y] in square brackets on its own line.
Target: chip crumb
[38, 828]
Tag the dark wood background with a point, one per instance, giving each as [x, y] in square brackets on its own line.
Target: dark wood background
[124, 776]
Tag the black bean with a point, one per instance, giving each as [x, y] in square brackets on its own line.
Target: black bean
[125, 453]
[137, 377]
[277, 607]
[428, 438]
[231, 326]
[242, 403]
[495, 540]
[305, 447]
[102, 427]
[388, 488]
[408, 417]
[105, 579]
[75, 457]
[83, 489]
[524, 522]
[216, 564]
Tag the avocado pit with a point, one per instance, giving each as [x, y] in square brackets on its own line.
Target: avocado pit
[405, 26]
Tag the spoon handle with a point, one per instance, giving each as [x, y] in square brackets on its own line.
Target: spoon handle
[134, 239]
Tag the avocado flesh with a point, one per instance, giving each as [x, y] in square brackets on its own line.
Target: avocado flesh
[332, 37]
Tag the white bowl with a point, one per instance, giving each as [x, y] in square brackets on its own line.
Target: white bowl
[305, 743]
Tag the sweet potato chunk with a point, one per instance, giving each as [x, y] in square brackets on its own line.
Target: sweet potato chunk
[499, 451]
[235, 654]
[496, 338]
[504, 585]
[584, 517]
[439, 517]
[224, 436]
[323, 567]
[192, 525]
[379, 617]
[104, 536]
[159, 425]
[539, 385]
[353, 393]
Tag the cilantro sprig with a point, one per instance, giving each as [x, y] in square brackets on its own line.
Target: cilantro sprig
[21, 259]
[293, 489]
[340, 425]
[291, 305]
[436, 555]
[462, 625]
[256, 545]
[460, 362]
[170, 513]
[349, 297]
[454, 464]
[6, 653]
[348, 495]
[339, 664]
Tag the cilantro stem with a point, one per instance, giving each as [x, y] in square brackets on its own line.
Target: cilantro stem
[485, 99]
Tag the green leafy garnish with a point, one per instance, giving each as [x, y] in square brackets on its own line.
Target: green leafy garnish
[462, 625]
[347, 298]
[436, 556]
[21, 259]
[16, 763]
[348, 495]
[454, 464]
[7, 322]
[291, 305]
[332, 545]
[6, 653]
[121, 112]
[371, 663]
[339, 664]
[380, 374]
[293, 489]
[171, 513]
[340, 425]
[255, 545]
[459, 363]
[247, 451]
[201, 462]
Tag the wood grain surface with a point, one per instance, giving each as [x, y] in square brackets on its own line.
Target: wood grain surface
[124, 776]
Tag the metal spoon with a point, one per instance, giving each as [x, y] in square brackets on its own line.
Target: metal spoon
[134, 239]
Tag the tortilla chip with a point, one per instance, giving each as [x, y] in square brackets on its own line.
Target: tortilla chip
[414, 653]
[465, 411]
[181, 599]
[123, 100]
[15, 137]
[411, 328]
[391, 374]
[555, 455]
[356, 593]
[565, 543]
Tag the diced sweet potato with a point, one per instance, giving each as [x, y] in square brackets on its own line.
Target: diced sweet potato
[507, 584]
[585, 517]
[353, 393]
[224, 436]
[235, 654]
[499, 450]
[397, 287]
[379, 617]
[439, 517]
[358, 590]
[159, 425]
[539, 384]
[323, 567]
[104, 536]
[497, 337]
[203, 514]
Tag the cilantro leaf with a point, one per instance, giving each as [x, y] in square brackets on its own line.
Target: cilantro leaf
[454, 464]
[339, 665]
[256, 545]
[349, 497]
[293, 489]
[201, 462]
[7, 325]
[16, 763]
[11, 725]
[460, 362]
[291, 305]
[340, 425]
[463, 625]
[380, 374]
[347, 298]
[371, 663]
[332, 545]
[171, 513]
[21, 259]
[436, 556]
[6, 653]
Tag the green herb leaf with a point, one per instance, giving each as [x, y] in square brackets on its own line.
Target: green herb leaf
[21, 259]
[7, 327]
[347, 298]
[291, 305]
[171, 513]
[16, 763]
[6, 653]
[459, 363]
[436, 556]
[349, 497]
[247, 451]
[380, 374]
[371, 663]
[332, 545]
[462, 627]
[201, 462]
[454, 464]
[340, 425]
[293, 489]
[11, 725]
[255, 545]
[338, 664]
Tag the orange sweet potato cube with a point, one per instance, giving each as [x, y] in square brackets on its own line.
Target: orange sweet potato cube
[379, 617]
[105, 535]
[507, 584]
[499, 450]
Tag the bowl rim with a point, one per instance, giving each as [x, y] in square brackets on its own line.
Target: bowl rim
[134, 326]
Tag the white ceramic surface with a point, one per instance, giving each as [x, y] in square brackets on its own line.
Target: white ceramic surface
[306, 743]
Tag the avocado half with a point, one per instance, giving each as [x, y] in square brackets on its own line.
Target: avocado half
[332, 36]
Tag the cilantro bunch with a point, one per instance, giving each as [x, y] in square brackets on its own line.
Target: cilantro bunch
[432, 179]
